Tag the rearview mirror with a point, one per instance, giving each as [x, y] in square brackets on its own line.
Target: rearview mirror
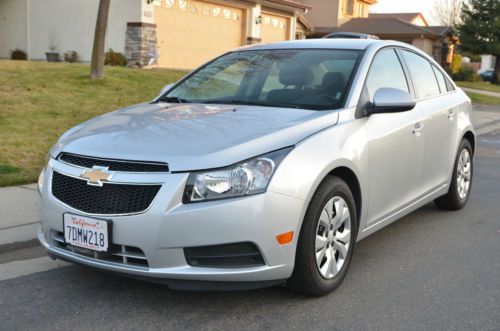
[391, 100]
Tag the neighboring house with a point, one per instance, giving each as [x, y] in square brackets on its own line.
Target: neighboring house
[411, 28]
[436, 41]
[185, 33]
[326, 15]
[413, 18]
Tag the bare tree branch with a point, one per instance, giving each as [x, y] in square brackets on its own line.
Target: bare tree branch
[448, 12]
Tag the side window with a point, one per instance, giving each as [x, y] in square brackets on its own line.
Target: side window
[422, 74]
[385, 71]
[449, 85]
[440, 79]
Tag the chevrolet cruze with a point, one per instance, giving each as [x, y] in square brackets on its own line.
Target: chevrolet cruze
[263, 167]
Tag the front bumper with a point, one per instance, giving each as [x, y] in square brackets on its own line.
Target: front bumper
[168, 226]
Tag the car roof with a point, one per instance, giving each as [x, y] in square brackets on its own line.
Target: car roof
[348, 43]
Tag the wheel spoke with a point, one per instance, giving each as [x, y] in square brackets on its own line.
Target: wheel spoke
[320, 255]
[328, 263]
[320, 242]
[342, 249]
[341, 215]
[329, 210]
[344, 236]
[333, 266]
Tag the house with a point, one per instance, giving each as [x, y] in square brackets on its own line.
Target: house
[413, 18]
[184, 33]
[327, 15]
[354, 16]
[437, 41]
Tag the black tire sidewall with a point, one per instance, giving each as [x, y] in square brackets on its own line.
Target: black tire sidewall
[330, 188]
[464, 144]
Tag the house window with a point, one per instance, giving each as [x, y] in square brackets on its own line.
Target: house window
[349, 7]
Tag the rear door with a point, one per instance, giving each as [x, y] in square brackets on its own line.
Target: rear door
[396, 143]
[440, 122]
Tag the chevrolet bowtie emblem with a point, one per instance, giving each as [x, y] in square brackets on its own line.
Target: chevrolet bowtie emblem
[97, 175]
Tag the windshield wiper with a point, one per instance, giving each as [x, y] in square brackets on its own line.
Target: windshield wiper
[251, 103]
[173, 100]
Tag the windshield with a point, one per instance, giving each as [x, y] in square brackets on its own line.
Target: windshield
[296, 78]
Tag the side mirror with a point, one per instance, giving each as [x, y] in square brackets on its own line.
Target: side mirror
[166, 88]
[391, 100]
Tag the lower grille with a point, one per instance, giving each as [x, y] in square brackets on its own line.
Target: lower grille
[103, 200]
[237, 255]
[126, 255]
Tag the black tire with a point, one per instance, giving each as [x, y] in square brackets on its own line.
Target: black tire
[306, 277]
[452, 200]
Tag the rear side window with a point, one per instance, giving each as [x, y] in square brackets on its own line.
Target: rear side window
[441, 80]
[386, 71]
[422, 74]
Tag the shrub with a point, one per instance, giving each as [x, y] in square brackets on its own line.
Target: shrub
[18, 54]
[466, 74]
[71, 56]
[456, 63]
[113, 58]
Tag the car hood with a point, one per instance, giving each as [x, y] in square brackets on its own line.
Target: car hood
[192, 136]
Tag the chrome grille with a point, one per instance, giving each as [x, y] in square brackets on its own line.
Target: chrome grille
[114, 165]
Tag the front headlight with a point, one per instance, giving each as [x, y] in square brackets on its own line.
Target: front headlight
[244, 178]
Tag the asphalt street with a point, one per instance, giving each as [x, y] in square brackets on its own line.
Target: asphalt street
[430, 270]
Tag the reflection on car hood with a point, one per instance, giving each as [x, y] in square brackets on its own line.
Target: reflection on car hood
[192, 136]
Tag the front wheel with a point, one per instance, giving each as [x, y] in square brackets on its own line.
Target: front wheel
[461, 181]
[326, 240]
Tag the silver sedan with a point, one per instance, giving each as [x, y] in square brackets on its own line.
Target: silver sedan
[262, 167]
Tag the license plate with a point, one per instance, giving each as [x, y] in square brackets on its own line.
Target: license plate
[86, 232]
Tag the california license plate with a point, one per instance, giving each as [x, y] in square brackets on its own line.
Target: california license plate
[86, 232]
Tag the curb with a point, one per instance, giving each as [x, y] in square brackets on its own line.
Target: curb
[6, 248]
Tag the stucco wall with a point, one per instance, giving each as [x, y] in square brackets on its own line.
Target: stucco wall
[70, 24]
[323, 13]
[424, 44]
[12, 26]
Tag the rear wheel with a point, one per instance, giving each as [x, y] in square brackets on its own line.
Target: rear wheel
[461, 181]
[326, 240]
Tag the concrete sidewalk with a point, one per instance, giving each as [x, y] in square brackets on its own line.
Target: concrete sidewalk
[19, 215]
[483, 92]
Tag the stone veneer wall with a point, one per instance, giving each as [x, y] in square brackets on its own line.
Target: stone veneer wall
[140, 43]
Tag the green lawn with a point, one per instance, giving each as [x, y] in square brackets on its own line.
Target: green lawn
[484, 99]
[39, 101]
[486, 86]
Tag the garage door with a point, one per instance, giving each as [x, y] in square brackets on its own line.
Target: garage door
[190, 32]
[274, 28]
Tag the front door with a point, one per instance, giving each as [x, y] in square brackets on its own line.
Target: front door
[396, 144]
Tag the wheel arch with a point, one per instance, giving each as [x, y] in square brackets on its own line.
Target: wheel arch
[348, 175]
[471, 138]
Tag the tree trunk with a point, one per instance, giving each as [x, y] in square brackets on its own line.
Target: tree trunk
[496, 78]
[97, 65]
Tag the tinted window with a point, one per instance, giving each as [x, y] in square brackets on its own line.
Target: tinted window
[386, 71]
[440, 79]
[297, 78]
[422, 74]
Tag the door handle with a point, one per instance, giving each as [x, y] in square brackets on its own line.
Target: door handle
[451, 114]
[417, 129]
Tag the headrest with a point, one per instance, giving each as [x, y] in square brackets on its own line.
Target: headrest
[333, 79]
[294, 74]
